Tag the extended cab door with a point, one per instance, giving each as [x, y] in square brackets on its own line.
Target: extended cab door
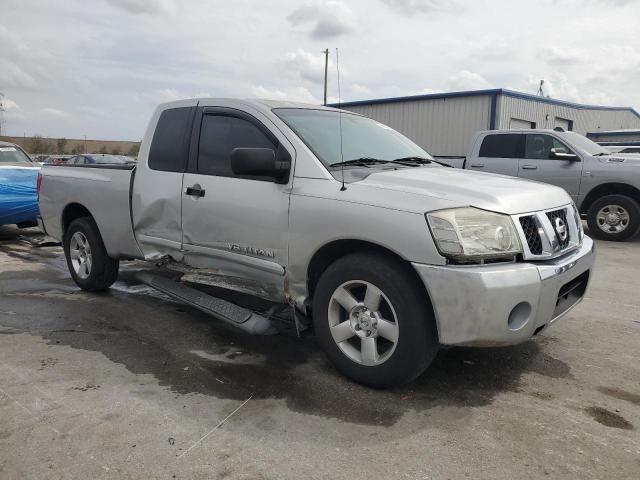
[235, 227]
[497, 153]
[540, 164]
[156, 200]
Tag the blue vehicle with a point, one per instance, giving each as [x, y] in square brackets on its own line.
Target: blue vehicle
[18, 187]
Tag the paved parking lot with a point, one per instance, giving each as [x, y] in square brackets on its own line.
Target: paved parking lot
[129, 385]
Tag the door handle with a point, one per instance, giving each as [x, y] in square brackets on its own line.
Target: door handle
[529, 167]
[195, 191]
[477, 165]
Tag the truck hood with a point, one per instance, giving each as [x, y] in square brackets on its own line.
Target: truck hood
[497, 193]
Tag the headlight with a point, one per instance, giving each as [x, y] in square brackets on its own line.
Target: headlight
[471, 234]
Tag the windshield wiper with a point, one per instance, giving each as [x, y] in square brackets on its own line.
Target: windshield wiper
[364, 161]
[412, 160]
[601, 154]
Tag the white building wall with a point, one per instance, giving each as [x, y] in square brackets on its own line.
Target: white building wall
[445, 126]
[442, 126]
[545, 114]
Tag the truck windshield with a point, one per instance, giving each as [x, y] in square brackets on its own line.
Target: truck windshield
[362, 138]
[583, 143]
[10, 154]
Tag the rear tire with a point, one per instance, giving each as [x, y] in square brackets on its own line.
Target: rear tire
[364, 342]
[89, 264]
[613, 217]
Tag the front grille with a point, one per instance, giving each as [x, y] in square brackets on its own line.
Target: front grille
[548, 233]
[531, 234]
[564, 227]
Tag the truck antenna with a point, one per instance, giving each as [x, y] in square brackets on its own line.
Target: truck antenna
[343, 188]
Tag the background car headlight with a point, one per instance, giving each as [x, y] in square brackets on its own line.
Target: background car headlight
[471, 234]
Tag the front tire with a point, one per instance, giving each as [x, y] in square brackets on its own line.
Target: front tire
[613, 217]
[374, 321]
[89, 264]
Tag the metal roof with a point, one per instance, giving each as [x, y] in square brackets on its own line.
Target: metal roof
[476, 93]
[617, 133]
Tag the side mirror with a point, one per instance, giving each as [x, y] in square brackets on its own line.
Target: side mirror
[562, 154]
[262, 162]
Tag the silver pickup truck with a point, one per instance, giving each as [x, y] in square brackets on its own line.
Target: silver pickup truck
[333, 217]
[605, 186]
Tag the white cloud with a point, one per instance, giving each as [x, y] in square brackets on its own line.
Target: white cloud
[358, 90]
[411, 7]
[13, 76]
[328, 18]
[54, 112]
[559, 86]
[466, 80]
[9, 104]
[152, 7]
[107, 67]
[427, 91]
[562, 57]
[171, 94]
[307, 65]
[295, 94]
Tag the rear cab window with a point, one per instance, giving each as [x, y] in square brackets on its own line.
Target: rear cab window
[169, 151]
[505, 145]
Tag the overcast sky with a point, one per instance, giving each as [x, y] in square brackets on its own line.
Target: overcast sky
[98, 67]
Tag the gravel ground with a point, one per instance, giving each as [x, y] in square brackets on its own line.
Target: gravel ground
[127, 384]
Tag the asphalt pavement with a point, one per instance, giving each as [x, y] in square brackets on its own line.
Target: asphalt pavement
[128, 384]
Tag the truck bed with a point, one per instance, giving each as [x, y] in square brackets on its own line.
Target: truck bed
[103, 190]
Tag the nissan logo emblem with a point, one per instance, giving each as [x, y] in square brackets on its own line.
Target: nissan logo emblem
[561, 228]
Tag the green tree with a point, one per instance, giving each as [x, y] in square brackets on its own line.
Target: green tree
[134, 150]
[62, 145]
[39, 145]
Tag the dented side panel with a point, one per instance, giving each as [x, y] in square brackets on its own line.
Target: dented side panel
[156, 199]
[240, 227]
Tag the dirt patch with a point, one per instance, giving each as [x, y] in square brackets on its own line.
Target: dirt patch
[189, 352]
[543, 395]
[621, 394]
[608, 419]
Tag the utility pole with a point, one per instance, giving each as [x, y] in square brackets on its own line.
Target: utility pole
[85, 144]
[326, 64]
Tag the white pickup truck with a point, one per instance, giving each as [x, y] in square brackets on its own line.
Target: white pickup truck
[605, 186]
[335, 217]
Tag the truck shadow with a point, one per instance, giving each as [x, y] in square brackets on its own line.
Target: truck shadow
[189, 352]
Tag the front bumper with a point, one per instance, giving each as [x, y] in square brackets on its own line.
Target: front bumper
[505, 304]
